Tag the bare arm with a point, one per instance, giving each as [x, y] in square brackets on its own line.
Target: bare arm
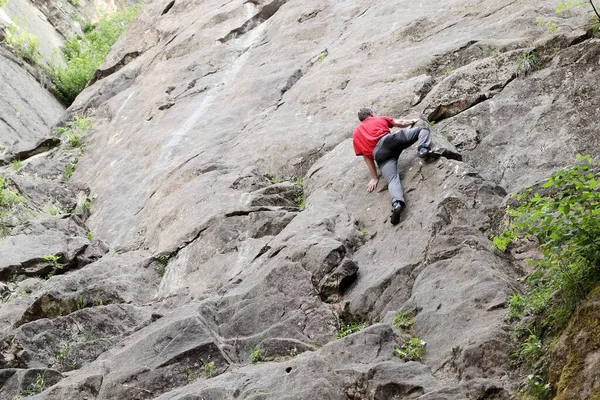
[373, 172]
[404, 123]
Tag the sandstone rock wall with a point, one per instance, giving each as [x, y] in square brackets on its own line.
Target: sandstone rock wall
[230, 225]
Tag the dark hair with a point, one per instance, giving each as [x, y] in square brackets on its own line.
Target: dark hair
[364, 113]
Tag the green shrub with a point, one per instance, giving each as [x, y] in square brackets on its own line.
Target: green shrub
[350, 328]
[403, 321]
[23, 43]
[210, 370]
[565, 220]
[255, 356]
[566, 6]
[83, 54]
[566, 223]
[73, 132]
[9, 202]
[412, 350]
[69, 169]
[526, 63]
[16, 164]
[37, 387]
[3, 3]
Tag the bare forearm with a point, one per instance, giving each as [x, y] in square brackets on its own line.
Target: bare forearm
[371, 166]
[404, 123]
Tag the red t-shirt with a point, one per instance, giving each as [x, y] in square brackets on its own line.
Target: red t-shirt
[367, 134]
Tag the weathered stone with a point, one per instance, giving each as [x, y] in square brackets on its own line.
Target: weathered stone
[199, 106]
[575, 358]
[40, 247]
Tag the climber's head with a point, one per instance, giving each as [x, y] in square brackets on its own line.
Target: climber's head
[365, 113]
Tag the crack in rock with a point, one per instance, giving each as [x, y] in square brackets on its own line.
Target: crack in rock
[263, 15]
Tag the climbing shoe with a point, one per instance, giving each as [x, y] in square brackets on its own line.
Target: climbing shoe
[397, 208]
[423, 152]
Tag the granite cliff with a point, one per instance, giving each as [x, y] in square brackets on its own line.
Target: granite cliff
[216, 230]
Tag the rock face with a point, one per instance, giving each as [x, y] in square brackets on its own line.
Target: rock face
[230, 229]
[576, 356]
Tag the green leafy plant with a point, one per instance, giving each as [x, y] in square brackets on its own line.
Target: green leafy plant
[350, 328]
[54, 210]
[549, 25]
[567, 5]
[403, 320]
[320, 57]
[16, 164]
[255, 356]
[53, 259]
[84, 208]
[412, 350]
[527, 63]
[191, 374]
[516, 305]
[81, 303]
[89, 235]
[162, 262]
[72, 132]
[563, 216]
[272, 177]
[210, 370]
[83, 54]
[3, 3]
[69, 169]
[23, 43]
[36, 387]
[536, 387]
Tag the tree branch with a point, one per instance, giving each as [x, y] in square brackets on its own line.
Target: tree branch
[596, 11]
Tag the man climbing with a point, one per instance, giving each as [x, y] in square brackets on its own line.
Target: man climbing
[372, 140]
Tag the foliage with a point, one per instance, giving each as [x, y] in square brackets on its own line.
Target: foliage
[210, 370]
[16, 164]
[530, 351]
[54, 210]
[350, 328]
[321, 56]
[53, 259]
[412, 350]
[526, 63]
[85, 207]
[255, 356]
[536, 387]
[23, 43]
[403, 320]
[81, 303]
[69, 169]
[163, 261]
[64, 360]
[9, 200]
[567, 225]
[3, 3]
[83, 54]
[37, 387]
[549, 25]
[272, 177]
[565, 221]
[89, 235]
[566, 6]
[73, 131]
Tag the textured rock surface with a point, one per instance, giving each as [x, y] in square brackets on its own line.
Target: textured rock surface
[576, 355]
[232, 219]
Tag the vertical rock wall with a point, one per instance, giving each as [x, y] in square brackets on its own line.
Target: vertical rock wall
[234, 223]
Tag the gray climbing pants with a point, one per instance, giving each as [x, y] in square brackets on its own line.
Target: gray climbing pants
[388, 150]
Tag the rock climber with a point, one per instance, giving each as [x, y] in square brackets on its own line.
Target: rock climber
[372, 140]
